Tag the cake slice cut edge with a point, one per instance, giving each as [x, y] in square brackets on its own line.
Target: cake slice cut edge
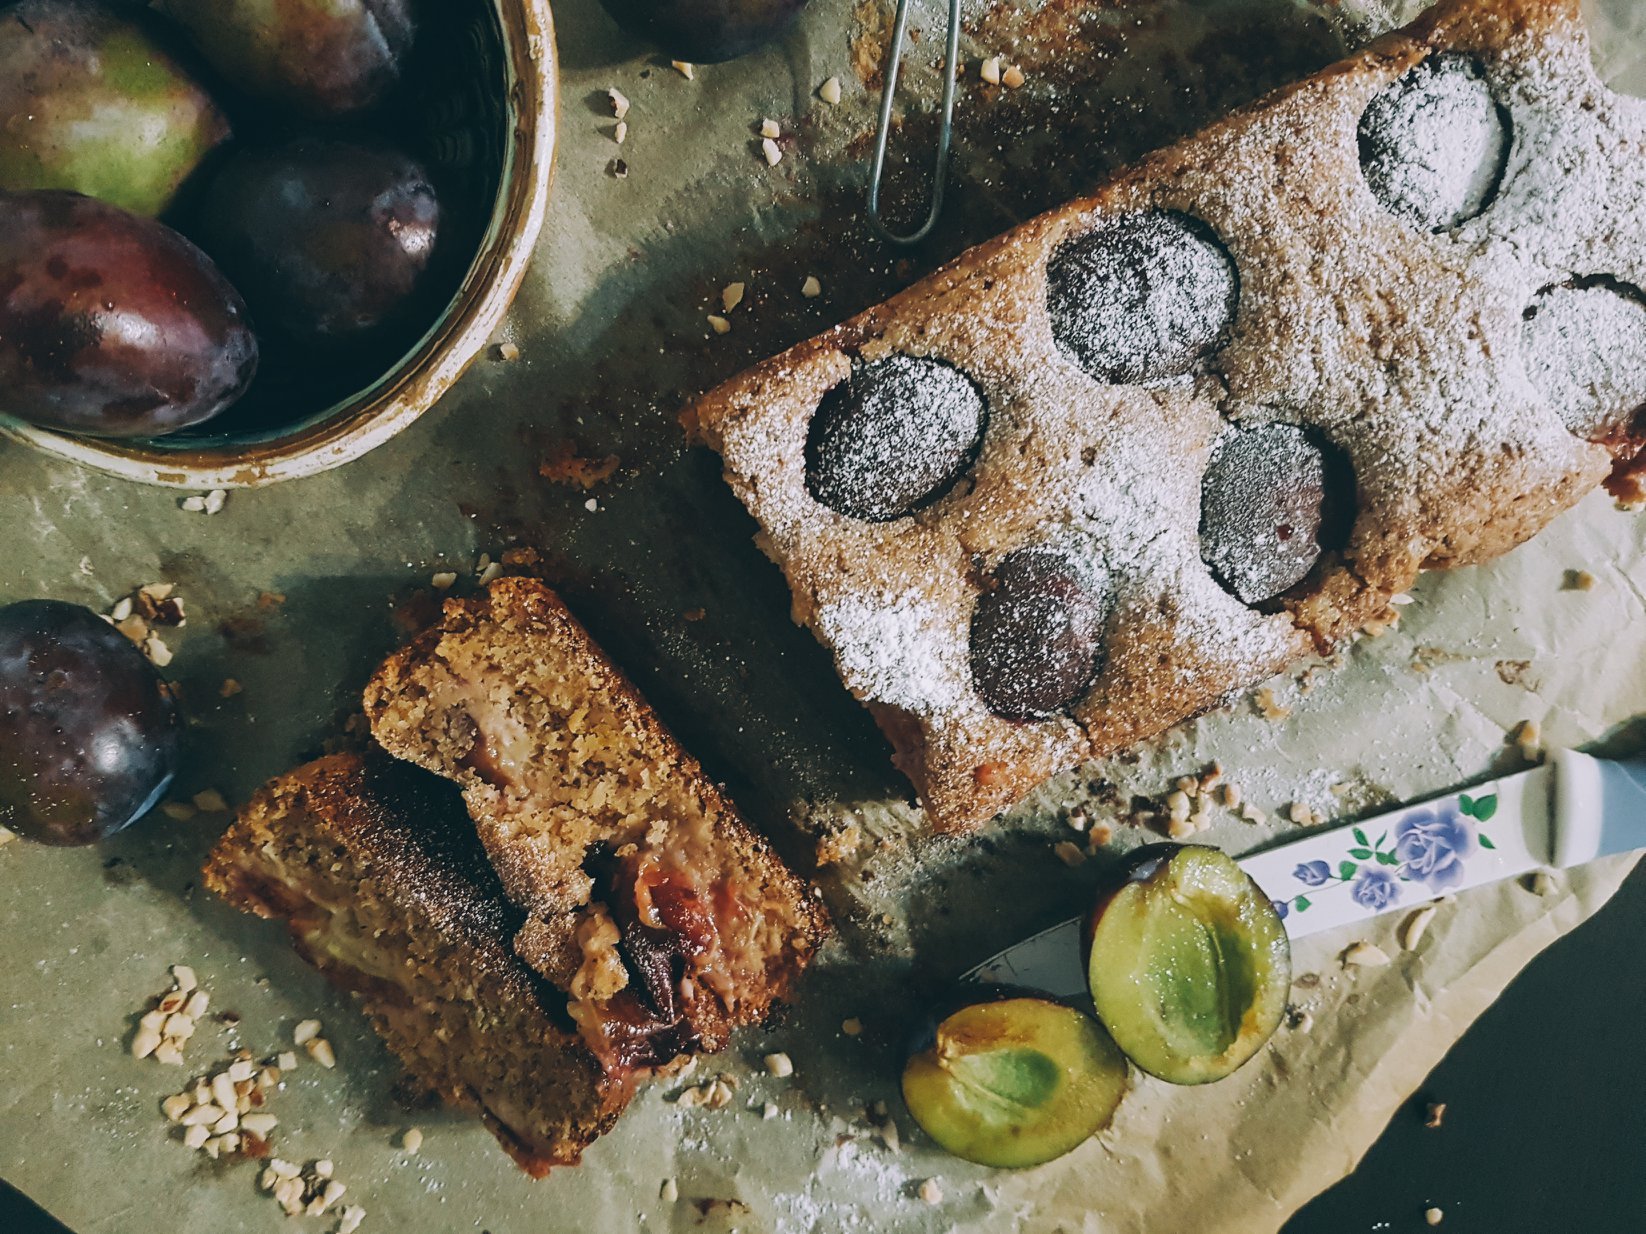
[375, 870]
[648, 900]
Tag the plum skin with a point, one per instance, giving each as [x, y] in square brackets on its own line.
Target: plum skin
[1011, 1078]
[328, 239]
[705, 31]
[1251, 978]
[96, 104]
[111, 324]
[319, 57]
[89, 733]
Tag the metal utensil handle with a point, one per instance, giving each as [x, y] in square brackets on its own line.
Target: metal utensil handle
[945, 132]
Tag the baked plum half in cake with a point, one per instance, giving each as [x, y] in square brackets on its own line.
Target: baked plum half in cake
[1272, 501]
[1037, 632]
[893, 437]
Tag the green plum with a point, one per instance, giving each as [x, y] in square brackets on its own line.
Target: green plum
[1009, 1078]
[320, 57]
[1188, 962]
[91, 100]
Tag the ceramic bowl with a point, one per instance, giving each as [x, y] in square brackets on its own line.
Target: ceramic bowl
[488, 122]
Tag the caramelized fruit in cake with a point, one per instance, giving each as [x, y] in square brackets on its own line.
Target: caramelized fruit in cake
[647, 899]
[1037, 633]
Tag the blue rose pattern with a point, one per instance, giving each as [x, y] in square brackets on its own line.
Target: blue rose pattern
[1375, 887]
[1313, 873]
[1432, 846]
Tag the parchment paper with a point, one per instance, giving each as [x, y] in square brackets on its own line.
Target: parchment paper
[612, 333]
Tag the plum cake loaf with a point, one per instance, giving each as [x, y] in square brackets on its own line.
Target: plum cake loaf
[377, 872]
[648, 902]
[1147, 449]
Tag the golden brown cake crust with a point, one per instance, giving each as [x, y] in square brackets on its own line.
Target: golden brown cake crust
[1403, 348]
[347, 845]
[601, 827]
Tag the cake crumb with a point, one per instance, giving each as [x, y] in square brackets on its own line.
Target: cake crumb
[230, 687]
[829, 91]
[564, 465]
[1268, 706]
[210, 801]
[1069, 853]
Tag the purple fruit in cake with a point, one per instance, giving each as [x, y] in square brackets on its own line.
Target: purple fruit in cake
[1188, 962]
[1142, 297]
[1584, 344]
[893, 437]
[705, 31]
[111, 324]
[89, 733]
[1434, 144]
[328, 239]
[320, 57]
[1037, 633]
[91, 100]
[1272, 501]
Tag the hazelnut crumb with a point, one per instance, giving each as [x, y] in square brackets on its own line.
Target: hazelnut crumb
[669, 1192]
[771, 128]
[1012, 78]
[210, 801]
[1528, 737]
[829, 91]
[619, 169]
[931, 1191]
[773, 154]
[286, 1060]
[619, 102]
[851, 1026]
[769, 1111]
[1436, 1115]
[156, 650]
[443, 580]
[1078, 819]
[779, 1065]
[1099, 835]
[305, 1032]
[719, 324]
[811, 288]
[1540, 883]
[230, 687]
[1578, 580]
[178, 811]
[508, 352]
[1414, 927]
[321, 1051]
[351, 1217]
[732, 296]
[620, 132]
[989, 70]
[411, 1139]
[1363, 955]
[1253, 814]
[686, 70]
[1069, 853]
[1433, 1216]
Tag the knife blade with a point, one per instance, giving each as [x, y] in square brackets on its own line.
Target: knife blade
[1572, 810]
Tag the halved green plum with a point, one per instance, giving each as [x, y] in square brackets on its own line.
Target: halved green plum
[1013, 1079]
[1189, 963]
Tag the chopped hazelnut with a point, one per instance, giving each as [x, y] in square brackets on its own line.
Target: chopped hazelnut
[351, 1217]
[989, 70]
[321, 1051]
[683, 68]
[772, 152]
[1363, 955]
[811, 288]
[771, 128]
[851, 1026]
[669, 1192]
[719, 324]
[779, 1065]
[1012, 78]
[1414, 927]
[619, 102]
[411, 1139]
[1576, 580]
[1433, 1216]
[1435, 1116]
[305, 1032]
[1069, 853]
[732, 296]
[931, 1191]
[620, 133]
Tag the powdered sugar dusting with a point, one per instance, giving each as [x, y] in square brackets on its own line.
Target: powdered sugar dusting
[1141, 297]
[899, 649]
[1433, 145]
[1586, 353]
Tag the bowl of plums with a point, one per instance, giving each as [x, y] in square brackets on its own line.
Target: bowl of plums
[247, 240]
